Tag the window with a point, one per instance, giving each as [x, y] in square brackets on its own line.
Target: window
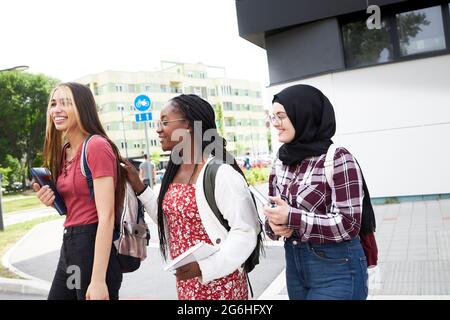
[131, 88]
[119, 88]
[421, 31]
[363, 46]
[403, 35]
[120, 107]
[163, 88]
[175, 89]
[148, 88]
[108, 127]
[227, 106]
[212, 92]
[226, 90]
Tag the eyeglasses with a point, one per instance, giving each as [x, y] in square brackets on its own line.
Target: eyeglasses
[164, 123]
[276, 119]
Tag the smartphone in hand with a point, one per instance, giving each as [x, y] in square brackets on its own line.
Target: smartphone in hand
[43, 177]
[261, 198]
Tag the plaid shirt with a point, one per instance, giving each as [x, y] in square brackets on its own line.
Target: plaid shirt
[319, 213]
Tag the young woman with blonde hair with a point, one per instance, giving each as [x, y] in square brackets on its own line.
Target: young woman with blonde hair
[87, 254]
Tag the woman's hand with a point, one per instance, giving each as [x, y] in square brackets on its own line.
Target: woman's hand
[277, 215]
[45, 194]
[189, 271]
[133, 177]
[97, 291]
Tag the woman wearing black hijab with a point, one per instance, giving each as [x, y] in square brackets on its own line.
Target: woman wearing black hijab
[322, 224]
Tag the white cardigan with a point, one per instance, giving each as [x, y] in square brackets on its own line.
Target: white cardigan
[236, 204]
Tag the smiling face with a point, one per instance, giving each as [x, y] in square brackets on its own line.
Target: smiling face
[62, 110]
[171, 119]
[281, 122]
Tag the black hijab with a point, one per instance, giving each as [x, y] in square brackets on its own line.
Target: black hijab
[312, 116]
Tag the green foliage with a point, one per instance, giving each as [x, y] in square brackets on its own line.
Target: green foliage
[156, 158]
[15, 170]
[23, 101]
[257, 175]
[5, 172]
[220, 121]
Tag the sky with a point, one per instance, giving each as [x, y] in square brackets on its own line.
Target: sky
[70, 39]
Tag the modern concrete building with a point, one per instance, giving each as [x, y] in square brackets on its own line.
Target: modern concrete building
[115, 91]
[390, 87]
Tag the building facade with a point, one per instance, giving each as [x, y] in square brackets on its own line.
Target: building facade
[243, 119]
[390, 87]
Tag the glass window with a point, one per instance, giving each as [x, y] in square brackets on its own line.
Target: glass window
[421, 31]
[363, 46]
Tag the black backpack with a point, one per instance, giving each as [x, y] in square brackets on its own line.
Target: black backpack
[209, 184]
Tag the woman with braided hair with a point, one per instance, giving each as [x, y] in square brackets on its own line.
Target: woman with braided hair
[184, 218]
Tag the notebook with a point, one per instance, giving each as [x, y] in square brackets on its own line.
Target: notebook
[198, 252]
[43, 177]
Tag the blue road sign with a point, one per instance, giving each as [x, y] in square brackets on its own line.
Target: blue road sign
[142, 103]
[143, 117]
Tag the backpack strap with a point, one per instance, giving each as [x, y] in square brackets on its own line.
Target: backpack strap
[209, 186]
[84, 165]
[329, 164]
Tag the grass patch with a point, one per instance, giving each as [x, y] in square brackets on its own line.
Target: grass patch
[14, 233]
[21, 204]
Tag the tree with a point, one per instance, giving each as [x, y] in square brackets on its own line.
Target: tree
[23, 101]
[156, 158]
[220, 121]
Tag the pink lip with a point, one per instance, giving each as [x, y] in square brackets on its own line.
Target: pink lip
[59, 121]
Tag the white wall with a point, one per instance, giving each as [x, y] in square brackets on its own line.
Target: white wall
[395, 119]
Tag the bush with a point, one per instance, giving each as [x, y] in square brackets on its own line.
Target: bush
[257, 175]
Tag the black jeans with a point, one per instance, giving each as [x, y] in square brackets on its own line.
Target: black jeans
[76, 260]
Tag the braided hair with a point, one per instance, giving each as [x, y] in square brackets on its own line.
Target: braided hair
[193, 109]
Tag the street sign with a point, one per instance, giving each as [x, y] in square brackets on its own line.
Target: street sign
[142, 103]
[140, 117]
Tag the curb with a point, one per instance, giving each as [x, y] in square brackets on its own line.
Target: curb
[31, 285]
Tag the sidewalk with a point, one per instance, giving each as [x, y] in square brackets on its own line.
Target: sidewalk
[414, 258]
[27, 215]
[414, 253]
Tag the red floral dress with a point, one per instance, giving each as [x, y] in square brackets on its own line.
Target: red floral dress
[186, 230]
